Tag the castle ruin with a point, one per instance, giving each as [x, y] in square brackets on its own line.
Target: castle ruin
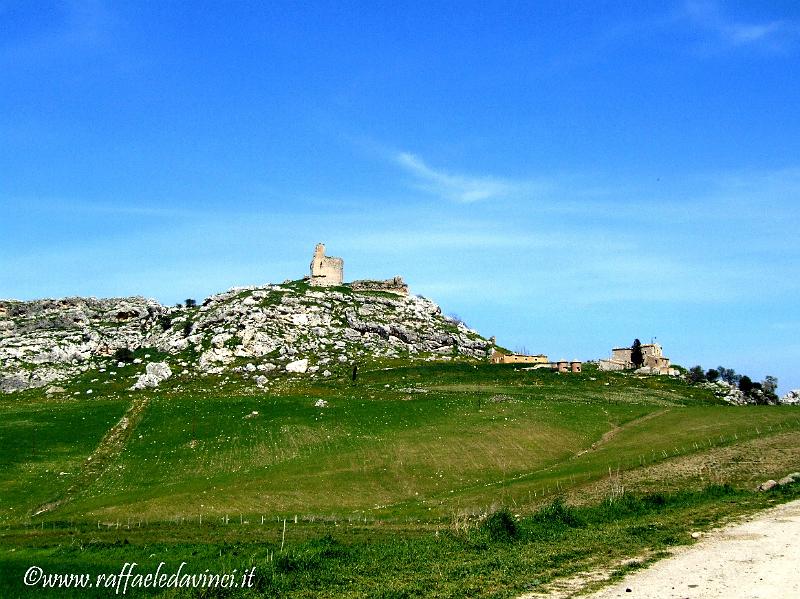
[326, 271]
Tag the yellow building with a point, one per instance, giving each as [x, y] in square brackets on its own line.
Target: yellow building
[501, 358]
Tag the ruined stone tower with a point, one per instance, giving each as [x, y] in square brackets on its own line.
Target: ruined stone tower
[326, 271]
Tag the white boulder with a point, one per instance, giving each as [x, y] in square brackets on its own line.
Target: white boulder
[155, 373]
[299, 366]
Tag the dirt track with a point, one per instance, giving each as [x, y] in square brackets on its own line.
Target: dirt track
[758, 559]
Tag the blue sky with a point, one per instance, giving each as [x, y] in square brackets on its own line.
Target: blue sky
[564, 175]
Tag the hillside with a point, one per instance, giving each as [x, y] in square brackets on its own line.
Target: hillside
[258, 329]
[241, 453]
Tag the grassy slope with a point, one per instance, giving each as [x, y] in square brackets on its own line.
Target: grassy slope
[394, 460]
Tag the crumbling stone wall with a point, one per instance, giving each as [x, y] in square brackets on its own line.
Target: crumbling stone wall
[393, 285]
[326, 271]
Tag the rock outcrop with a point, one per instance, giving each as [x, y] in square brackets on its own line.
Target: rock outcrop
[258, 331]
[155, 372]
[727, 392]
[792, 398]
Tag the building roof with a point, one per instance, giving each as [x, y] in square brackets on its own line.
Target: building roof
[643, 345]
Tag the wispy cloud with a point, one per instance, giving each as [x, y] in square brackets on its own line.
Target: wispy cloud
[74, 27]
[770, 34]
[116, 208]
[459, 187]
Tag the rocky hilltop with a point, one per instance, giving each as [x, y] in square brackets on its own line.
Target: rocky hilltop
[259, 331]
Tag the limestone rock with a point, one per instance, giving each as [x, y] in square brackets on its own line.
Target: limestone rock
[155, 373]
[46, 342]
[13, 383]
[791, 398]
[298, 366]
[767, 485]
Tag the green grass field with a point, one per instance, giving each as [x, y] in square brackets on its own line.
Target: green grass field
[395, 474]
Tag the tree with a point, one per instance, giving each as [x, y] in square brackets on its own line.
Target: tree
[712, 375]
[636, 354]
[728, 375]
[745, 384]
[190, 303]
[770, 387]
[455, 318]
[696, 374]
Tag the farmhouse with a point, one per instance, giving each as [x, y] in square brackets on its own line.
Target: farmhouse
[654, 359]
[501, 358]
[538, 360]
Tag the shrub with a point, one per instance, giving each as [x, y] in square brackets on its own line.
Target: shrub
[558, 513]
[696, 375]
[123, 354]
[500, 526]
[165, 322]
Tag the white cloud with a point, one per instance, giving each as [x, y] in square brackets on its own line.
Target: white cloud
[768, 34]
[456, 187]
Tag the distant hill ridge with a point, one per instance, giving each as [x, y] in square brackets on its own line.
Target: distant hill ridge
[257, 330]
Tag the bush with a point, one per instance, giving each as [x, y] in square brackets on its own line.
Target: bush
[696, 375]
[123, 354]
[165, 322]
[558, 513]
[500, 526]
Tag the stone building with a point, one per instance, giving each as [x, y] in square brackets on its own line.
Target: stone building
[538, 361]
[326, 271]
[654, 359]
[501, 358]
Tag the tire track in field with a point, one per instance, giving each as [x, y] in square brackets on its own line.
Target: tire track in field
[608, 435]
[110, 446]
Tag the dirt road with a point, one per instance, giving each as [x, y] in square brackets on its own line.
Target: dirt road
[756, 559]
